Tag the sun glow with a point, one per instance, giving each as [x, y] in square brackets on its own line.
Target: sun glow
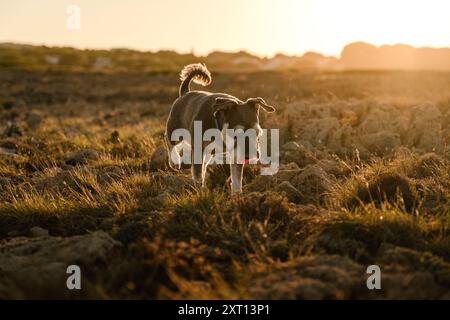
[326, 26]
[264, 27]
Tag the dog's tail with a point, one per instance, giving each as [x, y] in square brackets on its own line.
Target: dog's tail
[197, 72]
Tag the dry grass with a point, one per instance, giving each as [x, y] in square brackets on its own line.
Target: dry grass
[182, 242]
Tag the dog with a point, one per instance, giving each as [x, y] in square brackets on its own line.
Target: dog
[215, 110]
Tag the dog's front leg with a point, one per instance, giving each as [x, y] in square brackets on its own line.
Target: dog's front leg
[236, 177]
[197, 167]
[197, 174]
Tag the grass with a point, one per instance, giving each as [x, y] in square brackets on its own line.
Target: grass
[181, 241]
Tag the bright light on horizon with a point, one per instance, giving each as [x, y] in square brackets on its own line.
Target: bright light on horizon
[263, 27]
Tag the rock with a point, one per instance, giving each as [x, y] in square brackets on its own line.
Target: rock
[312, 182]
[377, 119]
[18, 179]
[386, 187]
[291, 192]
[280, 249]
[159, 159]
[162, 197]
[38, 232]
[109, 174]
[406, 274]
[290, 146]
[425, 131]
[36, 267]
[13, 233]
[412, 285]
[431, 159]
[381, 142]
[338, 169]
[260, 183]
[428, 165]
[307, 185]
[349, 137]
[310, 277]
[81, 157]
[323, 132]
[414, 274]
[293, 152]
[9, 154]
[382, 128]
[4, 182]
[55, 180]
[286, 175]
[172, 183]
[33, 119]
[289, 166]
[9, 146]
[12, 130]
[133, 231]
[319, 126]
[8, 104]
[20, 103]
[114, 137]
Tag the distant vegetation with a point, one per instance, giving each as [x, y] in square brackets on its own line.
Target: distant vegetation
[361, 55]
[354, 56]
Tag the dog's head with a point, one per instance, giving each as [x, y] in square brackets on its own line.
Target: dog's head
[237, 115]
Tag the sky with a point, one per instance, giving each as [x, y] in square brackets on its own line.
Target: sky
[262, 27]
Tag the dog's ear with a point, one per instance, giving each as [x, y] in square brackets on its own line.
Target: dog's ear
[223, 104]
[261, 103]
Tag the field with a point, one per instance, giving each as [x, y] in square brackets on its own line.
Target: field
[364, 179]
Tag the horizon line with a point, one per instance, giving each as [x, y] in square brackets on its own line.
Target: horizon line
[248, 51]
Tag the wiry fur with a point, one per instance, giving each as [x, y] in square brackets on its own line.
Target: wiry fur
[192, 106]
[196, 72]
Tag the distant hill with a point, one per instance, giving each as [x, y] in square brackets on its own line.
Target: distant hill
[28, 56]
[359, 55]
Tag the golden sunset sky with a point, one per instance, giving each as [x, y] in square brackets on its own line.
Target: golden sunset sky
[263, 27]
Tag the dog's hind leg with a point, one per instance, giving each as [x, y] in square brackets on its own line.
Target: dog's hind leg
[174, 158]
[236, 177]
[197, 174]
[179, 161]
[198, 167]
[173, 155]
[199, 171]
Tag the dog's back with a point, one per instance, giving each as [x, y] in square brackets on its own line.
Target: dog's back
[213, 110]
[188, 108]
[193, 106]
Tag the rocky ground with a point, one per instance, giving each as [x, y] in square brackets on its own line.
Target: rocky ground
[364, 179]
